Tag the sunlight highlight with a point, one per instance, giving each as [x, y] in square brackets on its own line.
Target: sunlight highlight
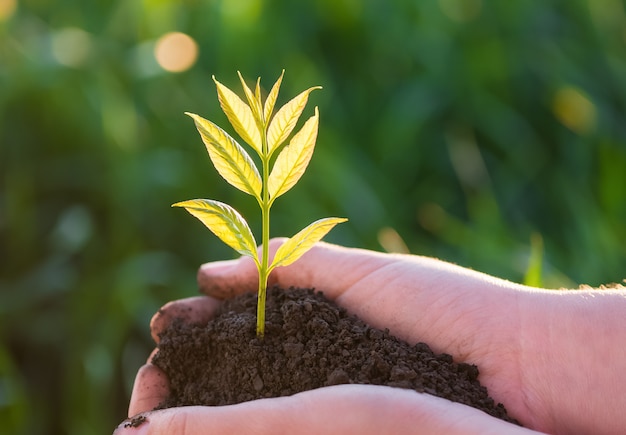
[71, 46]
[574, 110]
[7, 8]
[176, 52]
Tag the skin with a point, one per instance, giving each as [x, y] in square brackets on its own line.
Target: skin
[555, 358]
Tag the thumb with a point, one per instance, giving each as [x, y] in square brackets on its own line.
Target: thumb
[325, 266]
[151, 387]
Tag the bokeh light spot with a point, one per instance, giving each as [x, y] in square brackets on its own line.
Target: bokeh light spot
[7, 8]
[176, 52]
[574, 110]
[71, 46]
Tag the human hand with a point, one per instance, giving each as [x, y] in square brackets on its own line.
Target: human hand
[475, 317]
[340, 409]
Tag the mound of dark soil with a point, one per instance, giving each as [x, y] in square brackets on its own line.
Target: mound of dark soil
[309, 343]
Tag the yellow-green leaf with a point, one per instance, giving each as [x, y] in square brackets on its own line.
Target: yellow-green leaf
[296, 246]
[293, 159]
[225, 222]
[240, 116]
[271, 98]
[229, 158]
[285, 120]
[253, 100]
[257, 91]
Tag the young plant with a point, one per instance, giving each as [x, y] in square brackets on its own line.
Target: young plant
[265, 133]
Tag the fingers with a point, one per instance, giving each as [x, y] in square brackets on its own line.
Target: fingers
[324, 266]
[197, 309]
[342, 409]
[150, 389]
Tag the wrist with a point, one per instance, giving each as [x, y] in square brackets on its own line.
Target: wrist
[572, 364]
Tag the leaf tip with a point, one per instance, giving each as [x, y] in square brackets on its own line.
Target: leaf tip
[194, 117]
[217, 83]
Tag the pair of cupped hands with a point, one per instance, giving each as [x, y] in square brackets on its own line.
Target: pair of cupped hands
[554, 358]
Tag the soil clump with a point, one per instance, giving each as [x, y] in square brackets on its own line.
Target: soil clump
[309, 343]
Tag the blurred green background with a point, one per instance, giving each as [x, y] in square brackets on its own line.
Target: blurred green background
[473, 130]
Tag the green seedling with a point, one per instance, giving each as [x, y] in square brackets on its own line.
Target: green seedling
[255, 123]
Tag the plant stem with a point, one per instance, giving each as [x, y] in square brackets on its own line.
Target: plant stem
[265, 238]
